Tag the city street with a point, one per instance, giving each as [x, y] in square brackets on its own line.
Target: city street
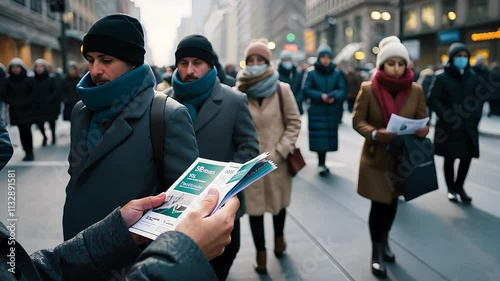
[326, 228]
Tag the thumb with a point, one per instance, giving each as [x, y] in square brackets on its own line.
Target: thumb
[209, 202]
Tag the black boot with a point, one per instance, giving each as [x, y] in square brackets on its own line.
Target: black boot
[452, 194]
[464, 196]
[29, 156]
[378, 263]
[388, 254]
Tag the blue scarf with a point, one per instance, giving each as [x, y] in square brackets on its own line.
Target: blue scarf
[264, 88]
[193, 94]
[108, 100]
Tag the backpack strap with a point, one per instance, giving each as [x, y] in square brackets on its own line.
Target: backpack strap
[157, 129]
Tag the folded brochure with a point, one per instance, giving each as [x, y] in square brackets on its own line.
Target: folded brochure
[188, 191]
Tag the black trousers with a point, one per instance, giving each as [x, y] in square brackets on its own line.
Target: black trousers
[455, 184]
[52, 125]
[223, 263]
[321, 158]
[257, 227]
[26, 137]
[381, 218]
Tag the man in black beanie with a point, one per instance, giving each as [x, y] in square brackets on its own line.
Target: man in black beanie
[223, 125]
[111, 156]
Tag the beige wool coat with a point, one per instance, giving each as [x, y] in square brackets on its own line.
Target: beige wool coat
[376, 164]
[272, 193]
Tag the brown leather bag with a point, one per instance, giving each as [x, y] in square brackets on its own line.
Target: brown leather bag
[294, 159]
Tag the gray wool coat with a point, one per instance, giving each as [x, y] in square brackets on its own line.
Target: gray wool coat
[121, 167]
[224, 128]
[98, 253]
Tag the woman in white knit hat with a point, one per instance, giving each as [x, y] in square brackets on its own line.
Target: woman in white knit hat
[391, 90]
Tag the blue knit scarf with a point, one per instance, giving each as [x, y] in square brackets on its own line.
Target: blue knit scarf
[264, 88]
[108, 100]
[193, 94]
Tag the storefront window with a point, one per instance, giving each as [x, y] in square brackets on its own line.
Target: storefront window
[428, 17]
[22, 2]
[478, 9]
[36, 5]
[411, 20]
[448, 13]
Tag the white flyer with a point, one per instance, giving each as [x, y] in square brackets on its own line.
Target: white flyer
[405, 126]
[188, 191]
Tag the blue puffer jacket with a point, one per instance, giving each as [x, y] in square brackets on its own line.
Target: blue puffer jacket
[324, 118]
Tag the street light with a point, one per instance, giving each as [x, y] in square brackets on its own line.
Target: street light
[375, 15]
[359, 56]
[386, 16]
[271, 45]
[452, 16]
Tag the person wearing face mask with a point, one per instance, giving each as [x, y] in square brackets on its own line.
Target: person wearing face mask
[455, 96]
[326, 87]
[272, 194]
[289, 74]
[390, 91]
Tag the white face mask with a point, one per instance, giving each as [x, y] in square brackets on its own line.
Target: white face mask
[287, 65]
[255, 70]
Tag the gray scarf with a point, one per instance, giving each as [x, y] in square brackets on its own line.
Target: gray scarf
[264, 88]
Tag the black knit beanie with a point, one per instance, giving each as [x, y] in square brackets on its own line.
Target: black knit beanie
[455, 48]
[196, 46]
[118, 35]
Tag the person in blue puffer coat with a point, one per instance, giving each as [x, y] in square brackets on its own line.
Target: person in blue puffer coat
[325, 87]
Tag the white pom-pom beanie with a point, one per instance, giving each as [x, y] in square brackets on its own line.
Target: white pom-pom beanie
[391, 47]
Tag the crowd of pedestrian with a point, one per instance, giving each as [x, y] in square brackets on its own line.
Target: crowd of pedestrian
[230, 115]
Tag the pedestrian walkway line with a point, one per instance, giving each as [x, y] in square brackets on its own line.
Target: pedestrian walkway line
[320, 246]
[39, 164]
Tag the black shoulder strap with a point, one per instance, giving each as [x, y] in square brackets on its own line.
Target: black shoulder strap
[157, 129]
[280, 97]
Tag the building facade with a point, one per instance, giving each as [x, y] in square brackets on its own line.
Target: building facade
[428, 27]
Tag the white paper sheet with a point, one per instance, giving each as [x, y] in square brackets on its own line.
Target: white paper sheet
[405, 126]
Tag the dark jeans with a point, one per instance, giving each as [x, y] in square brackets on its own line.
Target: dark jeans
[222, 263]
[321, 159]
[257, 227]
[52, 125]
[381, 218]
[449, 173]
[26, 137]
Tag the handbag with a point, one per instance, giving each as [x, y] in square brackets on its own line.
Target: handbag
[415, 172]
[294, 159]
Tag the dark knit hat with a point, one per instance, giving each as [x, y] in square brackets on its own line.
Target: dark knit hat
[196, 46]
[118, 35]
[325, 50]
[455, 48]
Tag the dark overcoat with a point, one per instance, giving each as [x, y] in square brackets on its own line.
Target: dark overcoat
[324, 118]
[458, 102]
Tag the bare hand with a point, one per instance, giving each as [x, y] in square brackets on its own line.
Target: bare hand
[422, 133]
[326, 99]
[135, 209]
[212, 233]
[383, 136]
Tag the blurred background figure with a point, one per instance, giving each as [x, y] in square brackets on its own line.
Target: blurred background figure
[167, 79]
[230, 70]
[494, 100]
[19, 95]
[326, 88]
[47, 99]
[425, 80]
[3, 79]
[292, 76]
[69, 95]
[353, 81]
[224, 78]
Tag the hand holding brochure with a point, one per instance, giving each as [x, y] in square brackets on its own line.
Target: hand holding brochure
[188, 191]
[405, 126]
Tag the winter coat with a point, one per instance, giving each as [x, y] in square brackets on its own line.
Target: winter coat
[47, 98]
[69, 95]
[458, 105]
[293, 78]
[273, 192]
[324, 118]
[121, 166]
[224, 129]
[6, 149]
[377, 164]
[100, 251]
[19, 94]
